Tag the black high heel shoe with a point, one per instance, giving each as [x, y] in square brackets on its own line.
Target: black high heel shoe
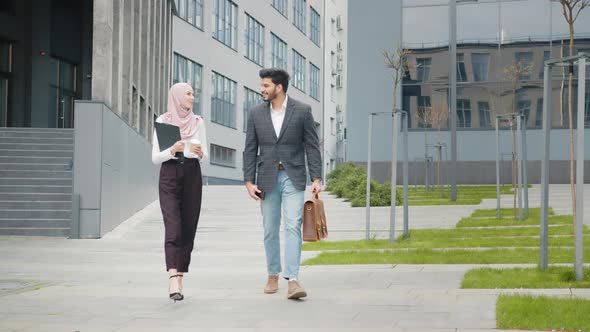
[177, 296]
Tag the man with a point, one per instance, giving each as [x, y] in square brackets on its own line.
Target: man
[283, 131]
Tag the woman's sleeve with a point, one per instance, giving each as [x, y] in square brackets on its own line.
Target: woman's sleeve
[203, 139]
[158, 156]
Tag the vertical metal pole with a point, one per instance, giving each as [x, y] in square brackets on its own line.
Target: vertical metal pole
[524, 171]
[396, 120]
[453, 95]
[547, 106]
[498, 212]
[368, 203]
[519, 162]
[579, 235]
[440, 184]
[405, 146]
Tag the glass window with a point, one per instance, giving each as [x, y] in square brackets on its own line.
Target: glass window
[485, 118]
[298, 71]
[189, 72]
[539, 113]
[461, 73]
[524, 107]
[587, 111]
[191, 11]
[3, 101]
[546, 55]
[279, 52]
[225, 23]
[314, 26]
[525, 62]
[251, 99]
[480, 63]
[424, 108]
[463, 113]
[254, 40]
[314, 81]
[299, 14]
[223, 156]
[281, 6]
[223, 101]
[5, 57]
[423, 69]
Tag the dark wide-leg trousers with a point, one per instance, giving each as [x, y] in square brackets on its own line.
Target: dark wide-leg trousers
[180, 188]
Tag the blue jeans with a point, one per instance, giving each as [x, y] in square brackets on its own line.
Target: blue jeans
[290, 199]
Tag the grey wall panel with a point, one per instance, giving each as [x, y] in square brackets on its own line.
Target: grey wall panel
[480, 145]
[89, 224]
[88, 153]
[476, 172]
[129, 177]
[113, 172]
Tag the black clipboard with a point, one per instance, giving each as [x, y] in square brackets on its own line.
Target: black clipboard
[167, 135]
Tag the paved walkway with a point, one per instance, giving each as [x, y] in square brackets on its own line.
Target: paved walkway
[118, 283]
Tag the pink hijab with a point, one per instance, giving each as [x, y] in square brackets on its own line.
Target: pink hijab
[177, 115]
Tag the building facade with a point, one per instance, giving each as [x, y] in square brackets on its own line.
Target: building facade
[79, 84]
[501, 48]
[334, 84]
[221, 45]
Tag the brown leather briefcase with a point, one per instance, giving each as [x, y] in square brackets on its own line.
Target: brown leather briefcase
[314, 220]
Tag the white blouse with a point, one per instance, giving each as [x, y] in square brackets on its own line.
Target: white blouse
[159, 157]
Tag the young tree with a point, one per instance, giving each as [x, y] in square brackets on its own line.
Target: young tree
[437, 116]
[571, 10]
[513, 73]
[397, 61]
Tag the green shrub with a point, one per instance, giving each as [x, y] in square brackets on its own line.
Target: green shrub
[350, 182]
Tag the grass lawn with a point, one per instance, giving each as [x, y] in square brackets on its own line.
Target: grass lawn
[466, 195]
[554, 277]
[430, 256]
[542, 313]
[503, 244]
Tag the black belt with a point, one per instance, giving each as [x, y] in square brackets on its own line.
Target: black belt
[182, 161]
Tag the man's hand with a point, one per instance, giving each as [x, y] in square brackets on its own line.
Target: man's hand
[316, 186]
[252, 190]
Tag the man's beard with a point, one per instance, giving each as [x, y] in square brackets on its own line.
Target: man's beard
[271, 96]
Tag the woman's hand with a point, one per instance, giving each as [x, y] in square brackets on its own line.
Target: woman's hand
[177, 147]
[196, 149]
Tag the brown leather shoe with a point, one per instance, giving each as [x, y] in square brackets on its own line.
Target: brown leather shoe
[272, 285]
[295, 290]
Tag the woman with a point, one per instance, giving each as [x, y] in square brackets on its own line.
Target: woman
[180, 184]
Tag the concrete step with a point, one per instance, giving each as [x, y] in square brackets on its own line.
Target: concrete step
[11, 159]
[4, 181]
[35, 189]
[35, 146]
[37, 197]
[35, 214]
[35, 231]
[37, 153]
[35, 205]
[35, 167]
[36, 132]
[36, 140]
[35, 174]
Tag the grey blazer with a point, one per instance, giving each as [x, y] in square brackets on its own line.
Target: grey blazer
[297, 139]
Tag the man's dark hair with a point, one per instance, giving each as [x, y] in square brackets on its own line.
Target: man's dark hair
[277, 76]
